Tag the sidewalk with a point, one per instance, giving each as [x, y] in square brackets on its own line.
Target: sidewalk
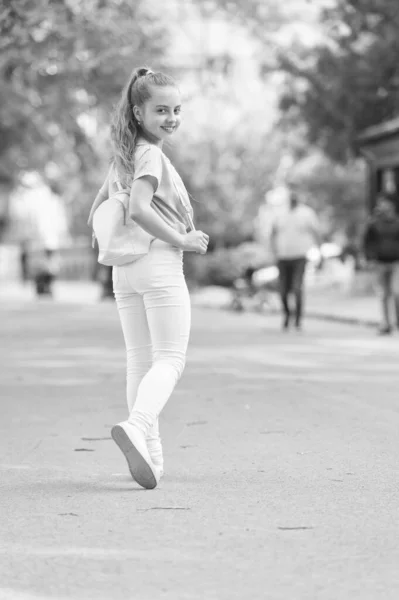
[357, 310]
[86, 292]
[280, 454]
[330, 306]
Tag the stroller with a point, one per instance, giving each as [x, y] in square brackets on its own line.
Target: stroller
[256, 289]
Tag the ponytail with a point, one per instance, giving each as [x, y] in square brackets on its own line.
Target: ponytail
[124, 127]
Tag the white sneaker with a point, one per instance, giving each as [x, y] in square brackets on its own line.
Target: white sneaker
[154, 446]
[132, 443]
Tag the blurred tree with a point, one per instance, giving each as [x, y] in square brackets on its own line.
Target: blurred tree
[230, 180]
[335, 190]
[340, 83]
[262, 17]
[334, 82]
[62, 64]
[229, 154]
[348, 82]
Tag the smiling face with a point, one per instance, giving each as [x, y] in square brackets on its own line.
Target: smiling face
[159, 116]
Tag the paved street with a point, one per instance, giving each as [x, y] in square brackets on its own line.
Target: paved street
[281, 463]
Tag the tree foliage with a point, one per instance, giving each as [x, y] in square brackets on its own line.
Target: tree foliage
[340, 85]
[348, 82]
[227, 176]
[336, 191]
[335, 84]
[61, 60]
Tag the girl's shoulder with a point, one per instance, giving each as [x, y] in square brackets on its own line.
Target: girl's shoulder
[148, 161]
[146, 148]
[148, 157]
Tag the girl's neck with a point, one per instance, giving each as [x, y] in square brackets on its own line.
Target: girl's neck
[151, 139]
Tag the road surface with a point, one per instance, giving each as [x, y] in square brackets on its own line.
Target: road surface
[281, 463]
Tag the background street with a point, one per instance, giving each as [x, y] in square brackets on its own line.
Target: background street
[281, 462]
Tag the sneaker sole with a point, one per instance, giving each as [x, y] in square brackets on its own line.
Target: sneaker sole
[139, 469]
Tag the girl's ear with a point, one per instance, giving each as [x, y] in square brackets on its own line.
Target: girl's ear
[136, 113]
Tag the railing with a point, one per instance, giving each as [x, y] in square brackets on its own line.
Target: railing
[73, 263]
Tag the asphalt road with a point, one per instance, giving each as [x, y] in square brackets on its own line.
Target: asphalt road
[281, 463]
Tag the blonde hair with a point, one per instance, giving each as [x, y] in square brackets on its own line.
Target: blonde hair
[124, 125]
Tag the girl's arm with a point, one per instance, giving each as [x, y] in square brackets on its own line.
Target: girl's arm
[99, 199]
[141, 211]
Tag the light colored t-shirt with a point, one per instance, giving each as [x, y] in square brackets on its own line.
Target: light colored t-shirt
[295, 232]
[170, 196]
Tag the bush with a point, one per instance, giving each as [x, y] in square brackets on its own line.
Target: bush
[223, 266]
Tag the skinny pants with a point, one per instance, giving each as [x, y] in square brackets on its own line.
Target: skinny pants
[154, 309]
[291, 274]
[387, 283]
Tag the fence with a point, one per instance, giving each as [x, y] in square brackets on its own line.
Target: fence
[78, 261]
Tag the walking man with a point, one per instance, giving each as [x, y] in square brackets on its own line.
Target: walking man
[293, 234]
[381, 248]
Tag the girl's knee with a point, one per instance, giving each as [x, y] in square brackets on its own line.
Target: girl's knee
[178, 365]
[181, 367]
[174, 363]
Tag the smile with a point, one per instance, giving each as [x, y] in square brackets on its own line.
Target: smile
[169, 129]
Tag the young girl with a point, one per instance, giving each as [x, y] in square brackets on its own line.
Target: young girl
[151, 293]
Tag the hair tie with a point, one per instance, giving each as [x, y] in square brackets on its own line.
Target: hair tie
[146, 72]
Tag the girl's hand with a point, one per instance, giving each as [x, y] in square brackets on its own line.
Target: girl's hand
[195, 241]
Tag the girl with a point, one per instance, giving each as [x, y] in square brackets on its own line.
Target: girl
[151, 293]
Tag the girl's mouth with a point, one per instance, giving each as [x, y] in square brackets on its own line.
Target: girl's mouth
[169, 129]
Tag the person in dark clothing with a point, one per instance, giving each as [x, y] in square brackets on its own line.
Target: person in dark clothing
[24, 261]
[45, 272]
[381, 249]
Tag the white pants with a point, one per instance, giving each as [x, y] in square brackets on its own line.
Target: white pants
[154, 308]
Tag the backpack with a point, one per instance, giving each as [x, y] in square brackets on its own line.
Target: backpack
[120, 240]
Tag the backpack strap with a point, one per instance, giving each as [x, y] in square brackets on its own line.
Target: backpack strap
[186, 206]
[120, 188]
[117, 180]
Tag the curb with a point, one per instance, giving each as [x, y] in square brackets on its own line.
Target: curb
[345, 320]
[342, 319]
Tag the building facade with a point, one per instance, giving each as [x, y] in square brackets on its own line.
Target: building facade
[379, 145]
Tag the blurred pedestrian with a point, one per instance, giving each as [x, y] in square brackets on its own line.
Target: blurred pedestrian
[381, 249]
[46, 268]
[24, 261]
[105, 279]
[151, 293]
[293, 234]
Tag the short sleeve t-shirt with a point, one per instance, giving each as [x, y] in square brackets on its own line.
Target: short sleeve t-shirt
[170, 196]
[295, 232]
